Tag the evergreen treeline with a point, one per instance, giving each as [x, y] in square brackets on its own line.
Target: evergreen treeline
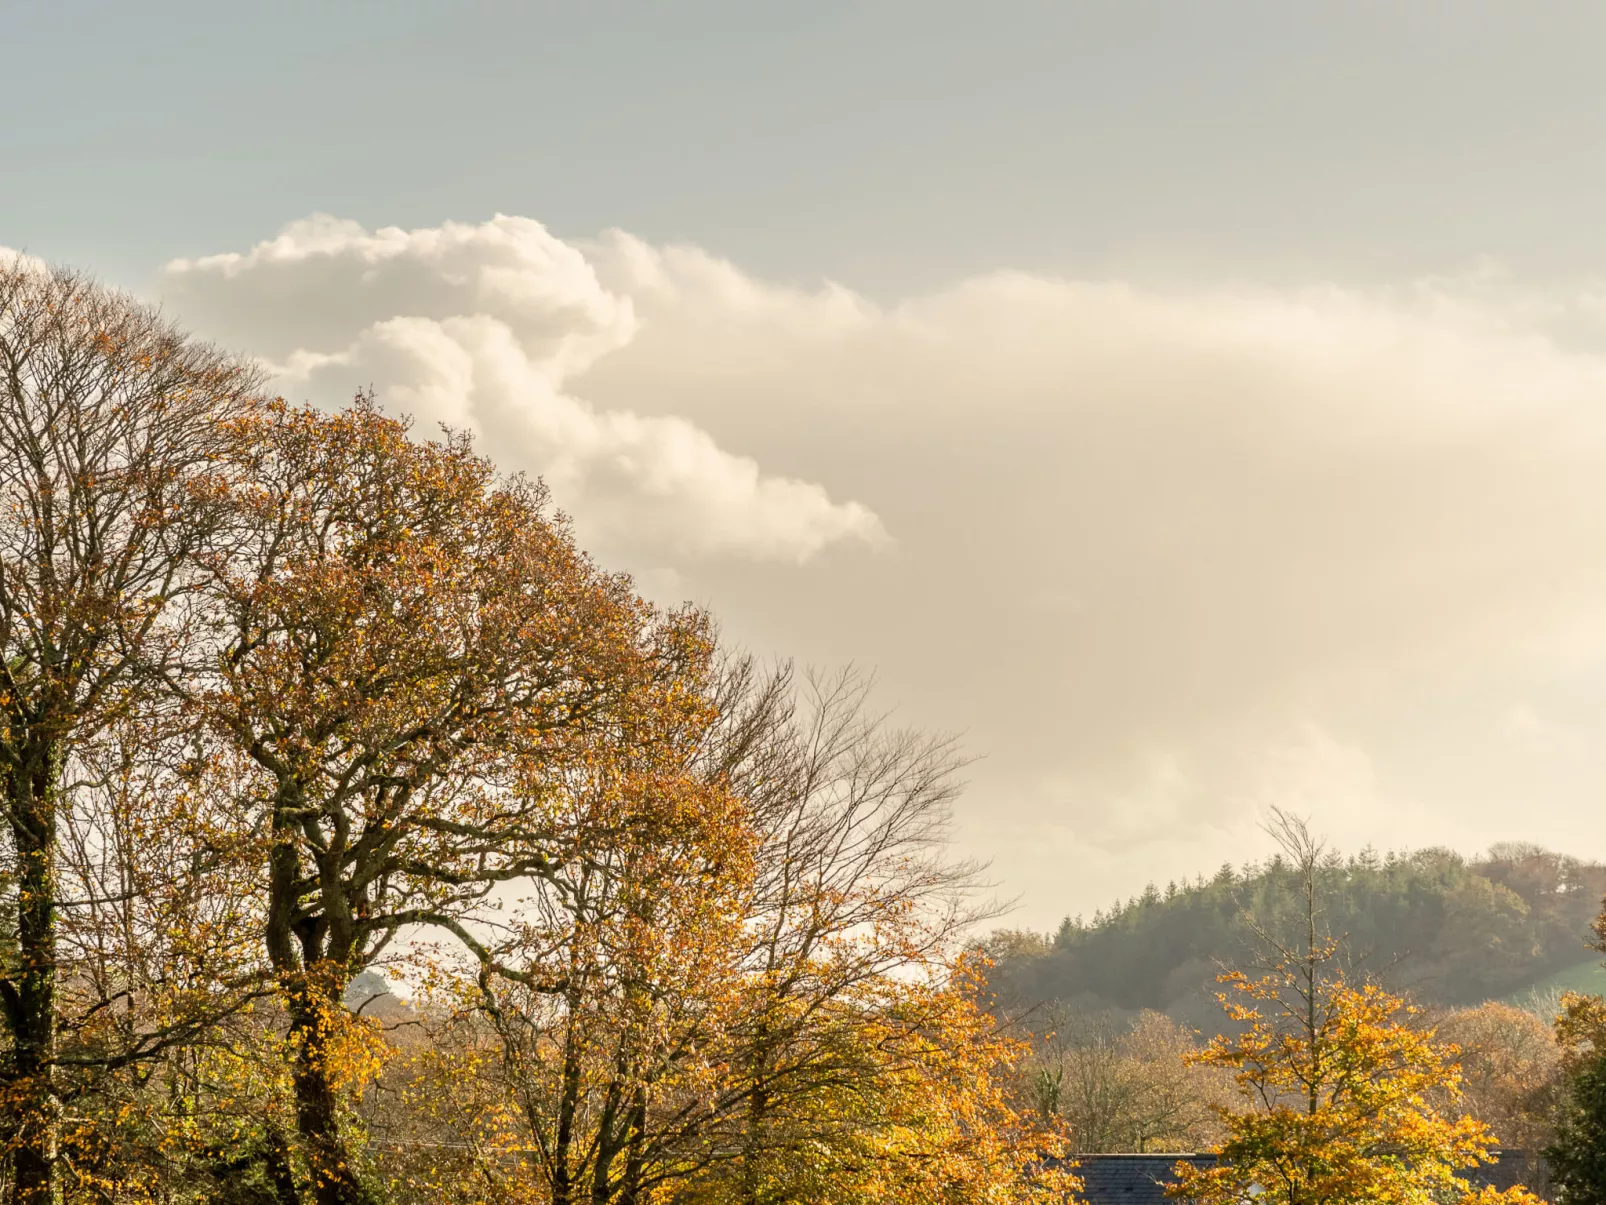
[1447, 929]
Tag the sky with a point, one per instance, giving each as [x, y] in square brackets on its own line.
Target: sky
[1197, 407]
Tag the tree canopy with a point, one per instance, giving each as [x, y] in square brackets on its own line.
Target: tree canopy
[294, 700]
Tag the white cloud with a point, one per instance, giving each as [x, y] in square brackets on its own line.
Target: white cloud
[1165, 556]
[482, 327]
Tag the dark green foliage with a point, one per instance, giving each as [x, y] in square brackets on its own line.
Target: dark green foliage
[1577, 1159]
[1448, 930]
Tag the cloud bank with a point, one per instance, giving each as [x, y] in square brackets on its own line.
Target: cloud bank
[482, 327]
[1172, 556]
[1166, 556]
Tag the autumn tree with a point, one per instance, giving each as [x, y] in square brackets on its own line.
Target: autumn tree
[409, 649]
[1335, 1080]
[1510, 1068]
[903, 1094]
[112, 433]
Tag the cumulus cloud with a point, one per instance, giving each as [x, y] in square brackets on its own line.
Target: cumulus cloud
[482, 327]
[1166, 556]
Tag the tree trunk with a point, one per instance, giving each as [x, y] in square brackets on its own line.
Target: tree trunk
[280, 1173]
[608, 1147]
[757, 1115]
[334, 1175]
[635, 1162]
[31, 998]
[758, 1101]
[568, 1108]
[312, 986]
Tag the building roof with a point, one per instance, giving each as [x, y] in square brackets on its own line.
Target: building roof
[1141, 1179]
[1130, 1179]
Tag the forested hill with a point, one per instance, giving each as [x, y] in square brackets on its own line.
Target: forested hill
[1448, 929]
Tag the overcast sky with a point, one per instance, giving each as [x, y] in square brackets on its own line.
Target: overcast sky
[1198, 406]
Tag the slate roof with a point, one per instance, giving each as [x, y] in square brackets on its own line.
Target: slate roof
[1141, 1179]
[1130, 1179]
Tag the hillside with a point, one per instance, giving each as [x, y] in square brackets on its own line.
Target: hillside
[1448, 929]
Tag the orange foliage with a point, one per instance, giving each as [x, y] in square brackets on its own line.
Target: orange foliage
[1336, 1082]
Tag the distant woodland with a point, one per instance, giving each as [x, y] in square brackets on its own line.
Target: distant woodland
[1446, 929]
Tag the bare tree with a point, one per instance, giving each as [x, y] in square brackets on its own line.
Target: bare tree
[1125, 1086]
[1308, 953]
